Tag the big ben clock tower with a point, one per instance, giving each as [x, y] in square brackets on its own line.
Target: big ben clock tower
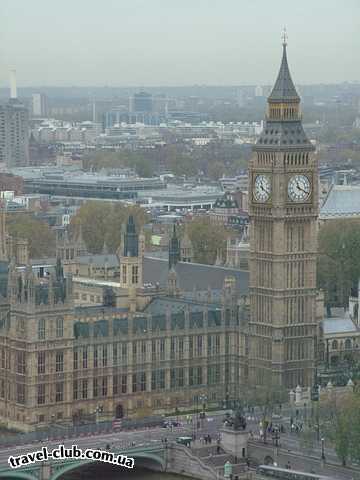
[283, 206]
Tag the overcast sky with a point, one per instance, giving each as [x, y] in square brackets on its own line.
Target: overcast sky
[177, 42]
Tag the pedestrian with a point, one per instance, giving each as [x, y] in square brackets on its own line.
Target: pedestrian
[218, 449]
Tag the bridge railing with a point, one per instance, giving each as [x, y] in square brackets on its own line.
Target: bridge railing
[60, 432]
[55, 433]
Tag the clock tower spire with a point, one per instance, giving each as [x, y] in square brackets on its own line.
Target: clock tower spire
[283, 208]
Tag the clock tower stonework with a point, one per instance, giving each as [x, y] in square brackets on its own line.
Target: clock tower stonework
[283, 207]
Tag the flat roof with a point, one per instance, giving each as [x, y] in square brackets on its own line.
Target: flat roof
[338, 325]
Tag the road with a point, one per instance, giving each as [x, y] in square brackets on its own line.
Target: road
[210, 425]
[122, 439]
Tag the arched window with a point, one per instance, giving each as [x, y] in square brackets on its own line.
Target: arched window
[334, 345]
[347, 343]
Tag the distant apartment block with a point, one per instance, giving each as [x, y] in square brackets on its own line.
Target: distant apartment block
[40, 107]
[14, 134]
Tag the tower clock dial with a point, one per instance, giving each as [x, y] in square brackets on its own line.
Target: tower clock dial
[299, 188]
[262, 188]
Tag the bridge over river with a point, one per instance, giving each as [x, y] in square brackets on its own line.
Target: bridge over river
[156, 456]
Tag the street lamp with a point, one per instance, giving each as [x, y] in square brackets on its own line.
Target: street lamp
[98, 410]
[227, 401]
[202, 399]
[276, 436]
[323, 449]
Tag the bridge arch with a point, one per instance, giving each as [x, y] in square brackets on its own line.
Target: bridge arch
[17, 475]
[158, 460]
[150, 456]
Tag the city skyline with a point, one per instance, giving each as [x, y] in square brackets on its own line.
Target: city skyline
[161, 43]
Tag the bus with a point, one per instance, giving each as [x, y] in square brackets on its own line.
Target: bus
[286, 474]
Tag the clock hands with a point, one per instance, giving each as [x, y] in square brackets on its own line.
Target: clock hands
[263, 189]
[301, 189]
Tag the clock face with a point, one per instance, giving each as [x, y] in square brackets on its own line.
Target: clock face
[299, 188]
[262, 188]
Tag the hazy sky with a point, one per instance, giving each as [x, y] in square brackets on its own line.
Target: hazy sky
[177, 42]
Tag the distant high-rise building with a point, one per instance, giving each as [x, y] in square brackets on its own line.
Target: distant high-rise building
[142, 102]
[240, 98]
[14, 130]
[259, 91]
[39, 105]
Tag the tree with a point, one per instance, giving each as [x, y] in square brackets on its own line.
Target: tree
[345, 431]
[216, 170]
[102, 222]
[40, 237]
[207, 240]
[338, 267]
[143, 165]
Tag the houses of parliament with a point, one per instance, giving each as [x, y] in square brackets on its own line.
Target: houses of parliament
[158, 336]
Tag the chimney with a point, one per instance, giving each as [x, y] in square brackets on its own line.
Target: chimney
[13, 88]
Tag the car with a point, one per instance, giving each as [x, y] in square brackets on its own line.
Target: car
[184, 441]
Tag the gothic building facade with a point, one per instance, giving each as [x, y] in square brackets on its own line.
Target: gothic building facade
[61, 363]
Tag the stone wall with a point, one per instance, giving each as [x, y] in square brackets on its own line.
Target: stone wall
[262, 454]
[182, 461]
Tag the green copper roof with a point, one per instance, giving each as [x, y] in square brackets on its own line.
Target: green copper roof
[284, 88]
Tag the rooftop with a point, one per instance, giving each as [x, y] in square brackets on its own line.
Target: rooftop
[176, 305]
[284, 88]
[195, 275]
[341, 201]
[338, 325]
[191, 276]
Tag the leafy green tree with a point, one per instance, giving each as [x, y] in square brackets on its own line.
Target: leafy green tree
[102, 223]
[93, 217]
[338, 267]
[39, 235]
[342, 427]
[216, 170]
[143, 166]
[345, 429]
[207, 240]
